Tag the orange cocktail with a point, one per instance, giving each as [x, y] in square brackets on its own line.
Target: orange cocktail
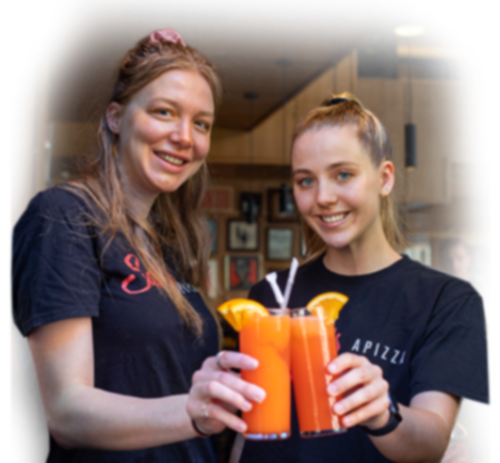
[267, 339]
[313, 348]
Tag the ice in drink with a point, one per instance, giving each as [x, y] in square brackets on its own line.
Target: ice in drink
[267, 339]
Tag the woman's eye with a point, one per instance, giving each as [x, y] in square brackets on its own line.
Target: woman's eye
[165, 112]
[305, 182]
[203, 125]
[342, 176]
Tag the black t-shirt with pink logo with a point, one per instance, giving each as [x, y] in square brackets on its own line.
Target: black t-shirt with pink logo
[424, 328]
[63, 269]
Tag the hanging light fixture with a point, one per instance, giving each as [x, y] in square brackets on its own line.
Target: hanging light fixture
[410, 31]
[413, 27]
[285, 204]
[250, 203]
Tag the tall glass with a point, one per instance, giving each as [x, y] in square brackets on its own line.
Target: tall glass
[268, 340]
[313, 348]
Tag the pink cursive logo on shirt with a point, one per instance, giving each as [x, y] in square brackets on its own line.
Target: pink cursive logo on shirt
[133, 262]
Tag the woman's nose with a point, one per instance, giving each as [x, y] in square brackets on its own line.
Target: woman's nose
[326, 194]
[182, 134]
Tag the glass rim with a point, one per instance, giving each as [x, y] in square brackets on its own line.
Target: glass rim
[275, 311]
[300, 312]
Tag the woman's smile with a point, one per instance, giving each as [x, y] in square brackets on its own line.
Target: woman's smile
[334, 219]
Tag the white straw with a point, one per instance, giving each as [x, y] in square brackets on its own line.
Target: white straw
[291, 277]
[271, 278]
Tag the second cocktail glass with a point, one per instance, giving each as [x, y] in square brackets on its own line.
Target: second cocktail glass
[313, 347]
[267, 339]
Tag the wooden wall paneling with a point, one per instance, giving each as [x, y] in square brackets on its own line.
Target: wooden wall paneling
[437, 140]
[385, 98]
[72, 139]
[346, 74]
[437, 133]
[268, 145]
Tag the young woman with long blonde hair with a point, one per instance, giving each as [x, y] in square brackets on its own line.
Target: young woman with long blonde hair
[108, 272]
[411, 339]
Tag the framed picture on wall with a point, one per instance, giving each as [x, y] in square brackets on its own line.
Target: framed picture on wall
[279, 243]
[218, 199]
[213, 278]
[242, 236]
[241, 272]
[214, 234]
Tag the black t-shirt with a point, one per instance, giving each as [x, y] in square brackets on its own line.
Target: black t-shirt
[142, 347]
[424, 328]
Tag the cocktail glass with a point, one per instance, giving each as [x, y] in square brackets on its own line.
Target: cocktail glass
[267, 339]
[313, 347]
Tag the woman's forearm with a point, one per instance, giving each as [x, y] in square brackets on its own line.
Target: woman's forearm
[87, 417]
[421, 437]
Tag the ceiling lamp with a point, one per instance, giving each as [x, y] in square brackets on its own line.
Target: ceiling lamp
[250, 204]
[409, 30]
[285, 204]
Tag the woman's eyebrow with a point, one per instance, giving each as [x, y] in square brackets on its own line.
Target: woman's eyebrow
[175, 104]
[335, 165]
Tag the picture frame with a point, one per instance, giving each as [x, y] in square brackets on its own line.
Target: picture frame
[273, 212]
[242, 236]
[213, 225]
[213, 278]
[279, 243]
[241, 272]
[218, 199]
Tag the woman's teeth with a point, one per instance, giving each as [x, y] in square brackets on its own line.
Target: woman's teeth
[332, 218]
[171, 159]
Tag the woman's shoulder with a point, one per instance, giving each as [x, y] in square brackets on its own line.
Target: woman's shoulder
[62, 202]
[59, 197]
[423, 275]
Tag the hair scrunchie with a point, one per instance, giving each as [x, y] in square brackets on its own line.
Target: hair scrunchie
[335, 101]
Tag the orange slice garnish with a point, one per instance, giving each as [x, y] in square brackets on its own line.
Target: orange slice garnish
[238, 311]
[327, 305]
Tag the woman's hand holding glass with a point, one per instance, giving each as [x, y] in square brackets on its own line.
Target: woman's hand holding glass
[217, 393]
[364, 391]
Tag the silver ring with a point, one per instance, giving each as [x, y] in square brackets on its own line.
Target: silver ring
[204, 411]
[217, 359]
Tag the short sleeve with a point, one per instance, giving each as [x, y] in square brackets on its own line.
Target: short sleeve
[56, 273]
[452, 356]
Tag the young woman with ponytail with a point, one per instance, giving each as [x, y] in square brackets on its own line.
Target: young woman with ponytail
[411, 340]
[109, 273]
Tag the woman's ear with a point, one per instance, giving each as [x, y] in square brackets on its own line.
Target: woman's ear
[387, 178]
[113, 116]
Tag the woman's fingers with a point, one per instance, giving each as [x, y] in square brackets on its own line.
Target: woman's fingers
[345, 362]
[227, 359]
[377, 409]
[215, 415]
[207, 385]
[356, 372]
[364, 395]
